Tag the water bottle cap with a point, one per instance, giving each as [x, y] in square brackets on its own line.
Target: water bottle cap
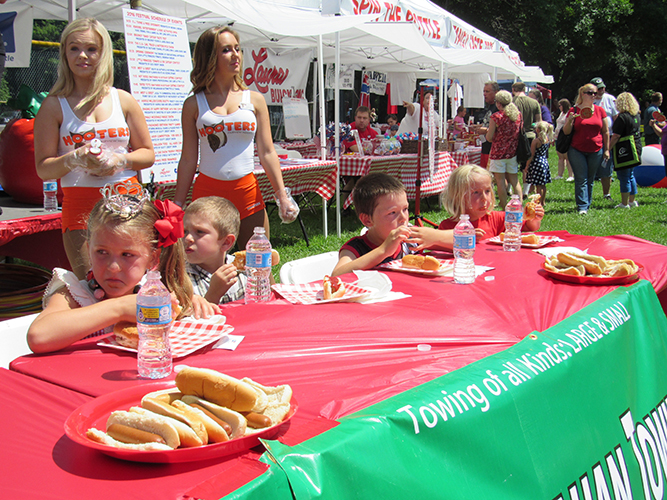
[465, 216]
[259, 230]
[153, 274]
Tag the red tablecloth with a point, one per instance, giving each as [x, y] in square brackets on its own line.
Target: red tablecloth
[10, 229]
[27, 237]
[340, 358]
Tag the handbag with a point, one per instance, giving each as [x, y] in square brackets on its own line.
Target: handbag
[523, 147]
[625, 153]
[563, 141]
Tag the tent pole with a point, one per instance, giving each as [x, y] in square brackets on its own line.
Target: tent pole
[71, 10]
[443, 101]
[323, 123]
[337, 131]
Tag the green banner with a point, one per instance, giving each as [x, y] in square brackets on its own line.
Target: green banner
[575, 412]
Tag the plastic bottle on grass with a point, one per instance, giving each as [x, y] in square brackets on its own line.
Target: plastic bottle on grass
[153, 322]
[258, 267]
[50, 195]
[513, 222]
[464, 251]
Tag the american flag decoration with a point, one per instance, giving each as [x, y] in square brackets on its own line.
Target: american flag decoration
[365, 98]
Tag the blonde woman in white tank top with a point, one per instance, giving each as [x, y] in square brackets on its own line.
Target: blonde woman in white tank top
[223, 92]
[85, 78]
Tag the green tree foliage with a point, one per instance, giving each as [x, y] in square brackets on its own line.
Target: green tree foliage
[621, 41]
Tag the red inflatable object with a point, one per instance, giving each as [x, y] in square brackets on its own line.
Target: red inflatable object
[18, 176]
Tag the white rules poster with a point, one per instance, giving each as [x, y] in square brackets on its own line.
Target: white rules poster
[159, 64]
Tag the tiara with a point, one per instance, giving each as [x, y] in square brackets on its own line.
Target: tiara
[124, 199]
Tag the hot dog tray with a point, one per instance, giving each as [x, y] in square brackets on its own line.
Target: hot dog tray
[595, 280]
[544, 240]
[95, 413]
[313, 293]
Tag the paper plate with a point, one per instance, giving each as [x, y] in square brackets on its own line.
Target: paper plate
[595, 280]
[313, 293]
[95, 413]
[544, 240]
[446, 266]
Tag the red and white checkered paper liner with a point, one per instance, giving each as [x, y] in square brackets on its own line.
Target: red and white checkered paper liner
[446, 266]
[185, 337]
[544, 240]
[312, 293]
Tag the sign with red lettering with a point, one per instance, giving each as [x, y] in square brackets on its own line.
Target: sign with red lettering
[277, 76]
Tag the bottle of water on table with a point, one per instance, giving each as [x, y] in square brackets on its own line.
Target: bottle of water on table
[513, 222]
[50, 195]
[153, 322]
[464, 251]
[258, 267]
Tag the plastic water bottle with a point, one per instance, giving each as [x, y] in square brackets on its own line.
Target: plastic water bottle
[50, 195]
[258, 267]
[464, 251]
[153, 322]
[513, 222]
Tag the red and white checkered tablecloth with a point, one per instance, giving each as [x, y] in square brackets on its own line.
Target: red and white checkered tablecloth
[314, 176]
[307, 149]
[460, 157]
[444, 166]
[405, 168]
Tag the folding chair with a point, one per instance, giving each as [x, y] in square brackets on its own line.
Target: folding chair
[308, 269]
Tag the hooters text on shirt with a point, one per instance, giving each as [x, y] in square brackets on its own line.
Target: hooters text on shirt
[78, 138]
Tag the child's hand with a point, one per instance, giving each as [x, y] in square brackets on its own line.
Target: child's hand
[539, 211]
[427, 237]
[479, 233]
[221, 281]
[202, 308]
[394, 240]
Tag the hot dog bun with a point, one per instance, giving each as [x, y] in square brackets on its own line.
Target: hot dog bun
[333, 287]
[162, 408]
[216, 433]
[149, 422]
[237, 421]
[220, 389]
[526, 238]
[103, 438]
[529, 209]
[127, 334]
[186, 434]
[417, 261]
[278, 400]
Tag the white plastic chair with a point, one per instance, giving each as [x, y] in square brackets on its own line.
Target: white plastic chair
[13, 341]
[293, 153]
[308, 269]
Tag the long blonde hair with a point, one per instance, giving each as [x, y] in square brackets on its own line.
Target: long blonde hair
[626, 102]
[142, 226]
[504, 98]
[206, 59]
[580, 96]
[456, 196]
[544, 131]
[103, 78]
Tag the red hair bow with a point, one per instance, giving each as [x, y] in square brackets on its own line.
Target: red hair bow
[170, 225]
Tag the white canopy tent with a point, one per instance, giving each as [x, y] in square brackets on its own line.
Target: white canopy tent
[350, 39]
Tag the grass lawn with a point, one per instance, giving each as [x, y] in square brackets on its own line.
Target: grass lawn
[648, 221]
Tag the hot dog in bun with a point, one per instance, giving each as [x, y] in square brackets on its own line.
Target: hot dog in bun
[334, 288]
[150, 423]
[417, 261]
[529, 209]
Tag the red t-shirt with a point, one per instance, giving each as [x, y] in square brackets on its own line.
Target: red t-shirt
[493, 224]
[369, 133]
[587, 136]
[506, 138]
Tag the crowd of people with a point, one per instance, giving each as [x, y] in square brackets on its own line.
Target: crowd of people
[94, 138]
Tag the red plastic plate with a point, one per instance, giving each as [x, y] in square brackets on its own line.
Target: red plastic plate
[96, 412]
[594, 280]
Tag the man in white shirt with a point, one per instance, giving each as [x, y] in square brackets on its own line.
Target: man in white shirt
[410, 122]
[608, 103]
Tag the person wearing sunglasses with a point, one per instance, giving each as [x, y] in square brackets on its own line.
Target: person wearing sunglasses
[608, 102]
[590, 143]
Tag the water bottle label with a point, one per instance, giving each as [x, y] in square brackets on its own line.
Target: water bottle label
[464, 242]
[154, 315]
[514, 217]
[258, 259]
[50, 186]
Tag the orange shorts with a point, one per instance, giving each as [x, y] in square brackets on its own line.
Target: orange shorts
[78, 202]
[244, 193]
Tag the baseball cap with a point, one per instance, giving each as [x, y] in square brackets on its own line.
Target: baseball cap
[597, 81]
